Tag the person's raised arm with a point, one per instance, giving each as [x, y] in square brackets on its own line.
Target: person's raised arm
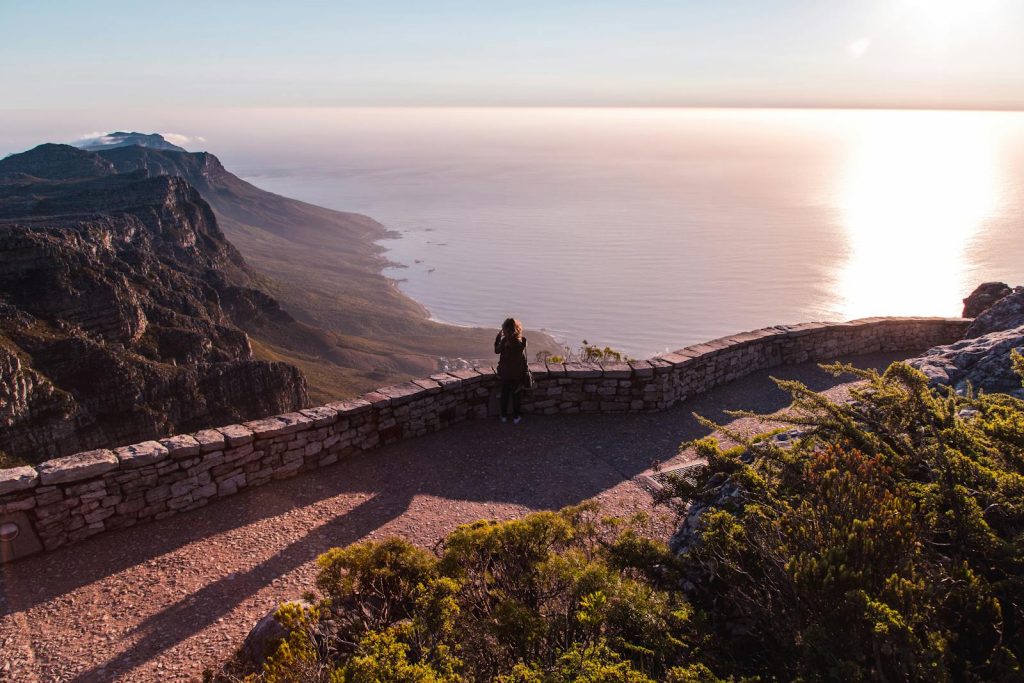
[497, 343]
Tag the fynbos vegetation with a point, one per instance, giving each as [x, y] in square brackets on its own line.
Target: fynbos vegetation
[885, 542]
[586, 353]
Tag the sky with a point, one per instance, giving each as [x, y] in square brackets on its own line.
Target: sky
[308, 53]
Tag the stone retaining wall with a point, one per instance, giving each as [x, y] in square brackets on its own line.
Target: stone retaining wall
[68, 499]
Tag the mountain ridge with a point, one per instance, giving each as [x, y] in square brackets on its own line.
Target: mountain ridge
[123, 139]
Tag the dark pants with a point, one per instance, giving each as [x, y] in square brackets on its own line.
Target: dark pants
[510, 389]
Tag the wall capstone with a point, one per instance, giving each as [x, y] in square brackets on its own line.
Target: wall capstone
[77, 467]
[18, 479]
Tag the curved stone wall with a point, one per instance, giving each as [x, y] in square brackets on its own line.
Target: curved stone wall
[68, 499]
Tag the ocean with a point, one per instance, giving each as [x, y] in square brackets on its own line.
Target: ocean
[645, 229]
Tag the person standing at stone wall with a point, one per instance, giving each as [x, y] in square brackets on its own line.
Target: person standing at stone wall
[510, 345]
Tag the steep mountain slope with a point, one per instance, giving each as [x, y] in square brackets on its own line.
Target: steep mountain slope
[325, 265]
[116, 302]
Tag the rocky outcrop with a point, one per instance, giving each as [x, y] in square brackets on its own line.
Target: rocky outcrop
[201, 169]
[1005, 314]
[981, 362]
[266, 635]
[113, 321]
[32, 409]
[982, 298]
[982, 359]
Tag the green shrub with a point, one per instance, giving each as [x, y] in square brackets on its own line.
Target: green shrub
[586, 353]
[560, 595]
[885, 545]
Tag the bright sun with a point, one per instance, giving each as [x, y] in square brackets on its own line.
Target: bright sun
[945, 16]
[929, 26]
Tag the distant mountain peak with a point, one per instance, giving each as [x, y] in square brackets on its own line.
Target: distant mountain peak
[123, 139]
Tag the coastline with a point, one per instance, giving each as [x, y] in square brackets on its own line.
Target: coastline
[546, 340]
[326, 267]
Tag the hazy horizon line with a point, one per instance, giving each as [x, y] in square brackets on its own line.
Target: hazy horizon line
[780, 106]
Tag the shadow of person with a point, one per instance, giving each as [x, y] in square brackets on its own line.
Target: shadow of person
[191, 614]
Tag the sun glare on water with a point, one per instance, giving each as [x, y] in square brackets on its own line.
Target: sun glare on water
[917, 189]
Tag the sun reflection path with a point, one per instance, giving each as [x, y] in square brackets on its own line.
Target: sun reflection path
[918, 187]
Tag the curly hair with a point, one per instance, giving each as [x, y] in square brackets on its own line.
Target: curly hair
[512, 328]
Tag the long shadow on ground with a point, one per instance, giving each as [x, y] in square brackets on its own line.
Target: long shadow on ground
[547, 462]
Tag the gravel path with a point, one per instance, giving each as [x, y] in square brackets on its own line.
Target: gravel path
[163, 601]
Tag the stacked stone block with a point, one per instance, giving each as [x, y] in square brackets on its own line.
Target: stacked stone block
[69, 499]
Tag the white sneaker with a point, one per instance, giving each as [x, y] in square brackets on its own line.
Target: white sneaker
[516, 420]
[504, 419]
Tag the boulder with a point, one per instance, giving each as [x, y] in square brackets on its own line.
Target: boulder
[264, 637]
[982, 298]
[981, 362]
[1005, 314]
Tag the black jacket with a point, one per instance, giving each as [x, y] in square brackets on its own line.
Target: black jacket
[512, 358]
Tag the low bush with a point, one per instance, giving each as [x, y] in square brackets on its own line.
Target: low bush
[886, 544]
[554, 596]
[586, 353]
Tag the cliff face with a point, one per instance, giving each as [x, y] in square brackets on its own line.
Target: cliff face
[116, 301]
